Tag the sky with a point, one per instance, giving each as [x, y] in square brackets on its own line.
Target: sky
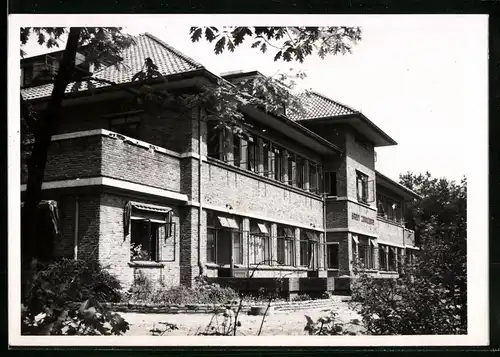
[420, 79]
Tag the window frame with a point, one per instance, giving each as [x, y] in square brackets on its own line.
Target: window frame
[362, 178]
[214, 229]
[288, 245]
[265, 248]
[327, 258]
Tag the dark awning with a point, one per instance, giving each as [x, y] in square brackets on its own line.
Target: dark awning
[149, 207]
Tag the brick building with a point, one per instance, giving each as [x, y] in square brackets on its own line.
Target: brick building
[172, 196]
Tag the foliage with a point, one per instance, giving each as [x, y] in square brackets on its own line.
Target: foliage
[428, 296]
[291, 43]
[53, 303]
[326, 326]
[167, 327]
[144, 290]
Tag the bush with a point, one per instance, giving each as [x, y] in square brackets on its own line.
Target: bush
[424, 299]
[64, 298]
[145, 291]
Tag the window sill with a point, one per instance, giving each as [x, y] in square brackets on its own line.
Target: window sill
[390, 272]
[365, 204]
[145, 264]
[333, 269]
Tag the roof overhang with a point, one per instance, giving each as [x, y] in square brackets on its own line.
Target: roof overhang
[293, 130]
[395, 187]
[361, 124]
[192, 79]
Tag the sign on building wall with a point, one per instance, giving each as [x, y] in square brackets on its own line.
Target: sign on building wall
[363, 219]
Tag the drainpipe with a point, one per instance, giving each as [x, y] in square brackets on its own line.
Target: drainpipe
[324, 234]
[200, 198]
[77, 222]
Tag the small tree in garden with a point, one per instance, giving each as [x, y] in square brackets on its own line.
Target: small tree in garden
[429, 296]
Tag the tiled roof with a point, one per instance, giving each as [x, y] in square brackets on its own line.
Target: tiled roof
[318, 106]
[168, 59]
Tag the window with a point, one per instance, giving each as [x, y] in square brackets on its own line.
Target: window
[382, 258]
[308, 248]
[236, 150]
[222, 233]
[278, 164]
[332, 256]
[292, 170]
[252, 155]
[330, 183]
[286, 245]
[145, 237]
[213, 140]
[389, 208]
[259, 243]
[267, 154]
[313, 177]
[300, 172]
[127, 125]
[365, 252]
[362, 186]
[392, 258]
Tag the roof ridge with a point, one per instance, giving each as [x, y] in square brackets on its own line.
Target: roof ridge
[335, 101]
[173, 50]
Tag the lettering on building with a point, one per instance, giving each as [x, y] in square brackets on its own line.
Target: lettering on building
[363, 219]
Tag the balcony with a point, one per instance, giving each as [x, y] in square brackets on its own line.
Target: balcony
[101, 153]
[394, 232]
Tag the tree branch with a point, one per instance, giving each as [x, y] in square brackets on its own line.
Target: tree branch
[28, 116]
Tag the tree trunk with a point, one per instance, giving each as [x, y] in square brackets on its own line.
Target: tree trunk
[46, 126]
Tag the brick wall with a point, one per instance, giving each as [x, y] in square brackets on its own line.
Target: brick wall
[169, 129]
[189, 268]
[101, 155]
[223, 186]
[336, 214]
[114, 247]
[129, 162]
[89, 227]
[74, 158]
[344, 249]
[362, 218]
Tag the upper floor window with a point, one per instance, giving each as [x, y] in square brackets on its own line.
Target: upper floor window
[362, 186]
[389, 208]
[313, 177]
[330, 183]
[252, 155]
[300, 172]
[292, 170]
[213, 140]
[126, 125]
[278, 164]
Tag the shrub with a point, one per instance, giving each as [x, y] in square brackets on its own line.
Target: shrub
[145, 291]
[64, 298]
[424, 299]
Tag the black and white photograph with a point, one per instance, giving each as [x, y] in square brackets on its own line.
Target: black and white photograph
[184, 179]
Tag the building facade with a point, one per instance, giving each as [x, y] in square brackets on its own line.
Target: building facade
[173, 196]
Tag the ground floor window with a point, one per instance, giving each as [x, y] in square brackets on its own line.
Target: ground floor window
[382, 258]
[286, 245]
[145, 237]
[332, 256]
[259, 243]
[150, 227]
[365, 252]
[309, 241]
[224, 239]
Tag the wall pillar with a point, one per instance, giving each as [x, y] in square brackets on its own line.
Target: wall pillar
[297, 246]
[260, 156]
[274, 243]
